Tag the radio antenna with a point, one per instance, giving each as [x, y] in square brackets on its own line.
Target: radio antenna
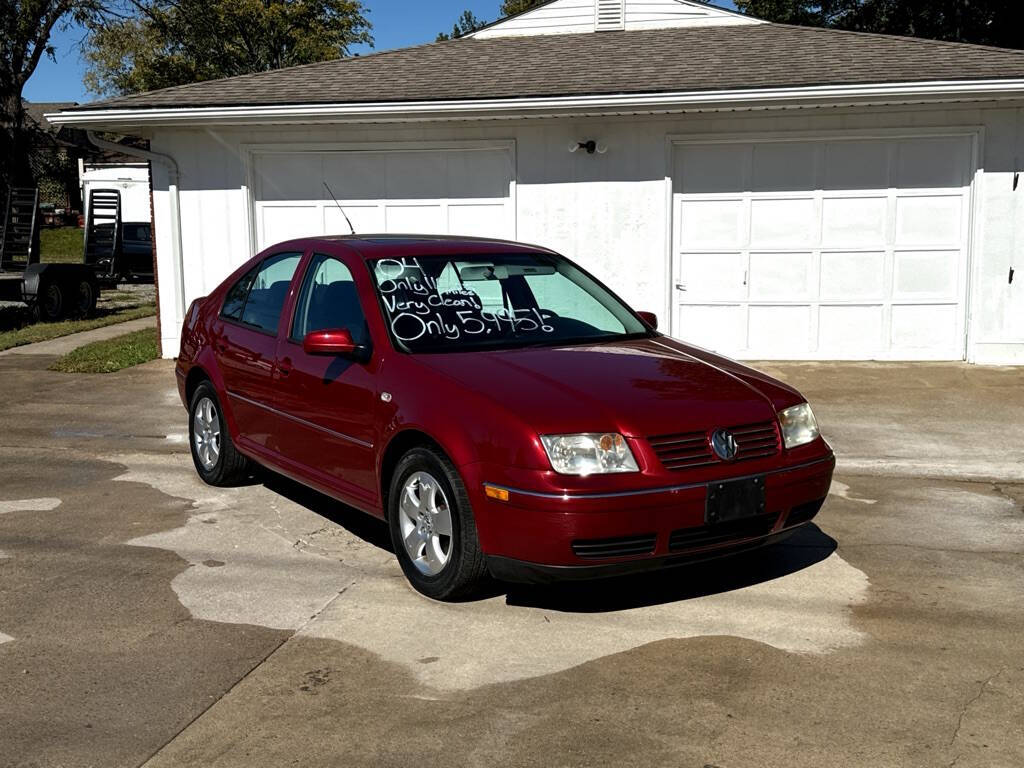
[347, 220]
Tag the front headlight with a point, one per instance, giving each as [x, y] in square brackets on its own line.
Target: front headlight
[799, 426]
[592, 453]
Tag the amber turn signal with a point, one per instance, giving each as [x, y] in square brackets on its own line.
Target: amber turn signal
[493, 492]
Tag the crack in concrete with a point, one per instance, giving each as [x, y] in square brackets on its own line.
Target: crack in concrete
[968, 704]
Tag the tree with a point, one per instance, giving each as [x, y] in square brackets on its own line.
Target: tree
[512, 7]
[466, 23]
[162, 43]
[25, 29]
[986, 22]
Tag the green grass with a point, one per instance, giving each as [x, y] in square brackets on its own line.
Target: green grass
[111, 355]
[61, 245]
[46, 331]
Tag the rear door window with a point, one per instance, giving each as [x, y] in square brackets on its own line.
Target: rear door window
[235, 300]
[268, 291]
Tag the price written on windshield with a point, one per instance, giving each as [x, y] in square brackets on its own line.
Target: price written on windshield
[418, 309]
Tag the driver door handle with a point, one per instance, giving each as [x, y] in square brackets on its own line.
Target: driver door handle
[284, 367]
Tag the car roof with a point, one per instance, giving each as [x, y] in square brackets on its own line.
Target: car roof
[386, 245]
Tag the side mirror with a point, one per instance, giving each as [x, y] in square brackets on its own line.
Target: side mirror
[333, 341]
[650, 318]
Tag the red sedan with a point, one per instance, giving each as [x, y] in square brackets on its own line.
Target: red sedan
[504, 411]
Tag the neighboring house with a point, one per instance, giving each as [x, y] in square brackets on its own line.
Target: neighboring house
[56, 151]
[770, 191]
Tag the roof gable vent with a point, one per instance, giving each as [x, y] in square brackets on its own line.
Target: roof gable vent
[609, 14]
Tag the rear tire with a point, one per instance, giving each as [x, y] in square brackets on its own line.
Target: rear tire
[86, 299]
[50, 301]
[432, 527]
[216, 459]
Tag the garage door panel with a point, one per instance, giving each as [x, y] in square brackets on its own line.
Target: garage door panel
[776, 330]
[928, 220]
[716, 275]
[925, 274]
[853, 221]
[852, 275]
[855, 165]
[284, 222]
[478, 174]
[714, 326]
[364, 218]
[777, 275]
[480, 219]
[923, 327]
[713, 223]
[782, 223]
[354, 175]
[425, 219]
[782, 167]
[712, 169]
[290, 176]
[932, 163]
[850, 331]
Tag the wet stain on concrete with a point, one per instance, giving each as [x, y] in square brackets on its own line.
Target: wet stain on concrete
[28, 505]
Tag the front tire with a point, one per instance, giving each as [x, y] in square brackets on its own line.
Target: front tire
[432, 527]
[217, 460]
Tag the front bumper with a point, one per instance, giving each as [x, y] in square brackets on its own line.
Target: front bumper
[543, 536]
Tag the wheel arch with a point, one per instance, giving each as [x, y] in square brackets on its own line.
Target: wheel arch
[398, 445]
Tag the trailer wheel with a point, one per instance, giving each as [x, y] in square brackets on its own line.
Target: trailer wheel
[86, 298]
[50, 302]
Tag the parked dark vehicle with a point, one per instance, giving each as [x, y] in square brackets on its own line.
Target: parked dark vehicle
[133, 258]
[503, 410]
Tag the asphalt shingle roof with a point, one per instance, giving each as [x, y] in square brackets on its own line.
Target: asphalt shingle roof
[681, 59]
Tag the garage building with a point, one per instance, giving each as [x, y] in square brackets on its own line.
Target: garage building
[770, 191]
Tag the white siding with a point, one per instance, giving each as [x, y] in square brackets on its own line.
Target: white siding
[577, 16]
[608, 211]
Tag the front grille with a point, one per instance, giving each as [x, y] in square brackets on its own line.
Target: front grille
[755, 441]
[690, 449]
[721, 533]
[687, 450]
[803, 513]
[623, 546]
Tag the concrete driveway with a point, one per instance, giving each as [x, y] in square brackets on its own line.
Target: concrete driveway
[148, 619]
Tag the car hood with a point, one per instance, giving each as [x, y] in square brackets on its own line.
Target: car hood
[639, 388]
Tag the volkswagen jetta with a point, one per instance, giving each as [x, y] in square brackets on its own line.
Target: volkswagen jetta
[498, 406]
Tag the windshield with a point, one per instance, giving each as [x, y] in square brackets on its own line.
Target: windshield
[496, 301]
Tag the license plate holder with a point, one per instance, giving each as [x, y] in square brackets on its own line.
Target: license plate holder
[730, 500]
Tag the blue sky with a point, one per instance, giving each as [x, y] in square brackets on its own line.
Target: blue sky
[395, 24]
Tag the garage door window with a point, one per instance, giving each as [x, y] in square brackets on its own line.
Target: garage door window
[269, 289]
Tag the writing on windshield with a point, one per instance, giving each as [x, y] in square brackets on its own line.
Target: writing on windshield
[420, 305]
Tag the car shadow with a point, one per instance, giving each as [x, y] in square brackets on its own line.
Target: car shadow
[366, 527]
[806, 547]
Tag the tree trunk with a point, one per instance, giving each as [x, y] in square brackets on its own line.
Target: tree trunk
[17, 144]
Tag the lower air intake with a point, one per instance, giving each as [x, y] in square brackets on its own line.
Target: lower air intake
[595, 549]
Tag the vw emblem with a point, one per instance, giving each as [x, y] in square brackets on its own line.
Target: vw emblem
[724, 444]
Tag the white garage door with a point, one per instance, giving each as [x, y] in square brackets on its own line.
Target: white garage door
[464, 190]
[825, 249]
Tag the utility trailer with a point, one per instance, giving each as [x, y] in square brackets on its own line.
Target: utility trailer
[52, 291]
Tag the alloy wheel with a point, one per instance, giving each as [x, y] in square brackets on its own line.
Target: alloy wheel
[206, 433]
[426, 523]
